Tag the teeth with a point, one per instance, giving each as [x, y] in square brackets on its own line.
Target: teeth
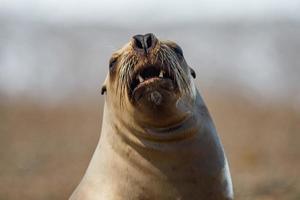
[140, 78]
[161, 74]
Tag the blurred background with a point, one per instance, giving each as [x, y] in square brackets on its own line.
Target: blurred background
[54, 57]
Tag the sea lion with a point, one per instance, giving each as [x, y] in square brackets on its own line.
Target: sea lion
[158, 140]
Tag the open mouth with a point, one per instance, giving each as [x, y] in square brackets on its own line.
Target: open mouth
[150, 74]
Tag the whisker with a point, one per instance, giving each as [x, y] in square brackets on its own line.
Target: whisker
[181, 78]
[125, 74]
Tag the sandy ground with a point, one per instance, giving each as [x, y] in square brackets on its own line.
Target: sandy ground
[44, 151]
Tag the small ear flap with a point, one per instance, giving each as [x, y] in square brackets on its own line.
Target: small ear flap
[193, 73]
[103, 89]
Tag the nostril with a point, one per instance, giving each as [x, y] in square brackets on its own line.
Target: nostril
[138, 39]
[139, 44]
[149, 42]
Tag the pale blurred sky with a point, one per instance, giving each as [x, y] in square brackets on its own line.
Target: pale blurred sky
[150, 11]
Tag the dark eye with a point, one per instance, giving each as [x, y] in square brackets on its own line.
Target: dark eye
[112, 62]
[178, 51]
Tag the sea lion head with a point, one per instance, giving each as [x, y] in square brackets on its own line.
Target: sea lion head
[149, 82]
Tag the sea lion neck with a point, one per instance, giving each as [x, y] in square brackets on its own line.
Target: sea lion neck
[125, 127]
